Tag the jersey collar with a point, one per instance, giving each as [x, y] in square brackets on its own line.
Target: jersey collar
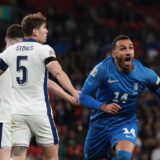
[29, 40]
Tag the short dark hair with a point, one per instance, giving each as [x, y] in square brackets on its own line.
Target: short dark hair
[120, 37]
[14, 31]
[31, 22]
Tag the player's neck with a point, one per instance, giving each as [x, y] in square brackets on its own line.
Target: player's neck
[10, 42]
[30, 37]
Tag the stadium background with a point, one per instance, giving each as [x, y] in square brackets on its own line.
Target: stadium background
[80, 31]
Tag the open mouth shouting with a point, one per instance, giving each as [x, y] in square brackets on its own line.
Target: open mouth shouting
[128, 61]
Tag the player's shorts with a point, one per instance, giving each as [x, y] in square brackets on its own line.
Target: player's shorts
[42, 127]
[99, 140]
[5, 135]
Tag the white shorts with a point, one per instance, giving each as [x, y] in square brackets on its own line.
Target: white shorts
[42, 127]
[5, 135]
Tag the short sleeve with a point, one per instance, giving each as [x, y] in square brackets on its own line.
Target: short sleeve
[46, 52]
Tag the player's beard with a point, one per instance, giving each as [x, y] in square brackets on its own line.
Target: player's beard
[124, 64]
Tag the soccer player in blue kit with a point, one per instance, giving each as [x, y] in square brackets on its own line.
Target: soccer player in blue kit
[118, 82]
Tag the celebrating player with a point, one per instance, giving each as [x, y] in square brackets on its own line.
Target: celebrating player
[118, 81]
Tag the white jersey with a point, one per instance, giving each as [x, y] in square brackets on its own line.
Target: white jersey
[29, 75]
[6, 97]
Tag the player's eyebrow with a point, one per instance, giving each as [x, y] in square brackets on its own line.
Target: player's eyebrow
[122, 45]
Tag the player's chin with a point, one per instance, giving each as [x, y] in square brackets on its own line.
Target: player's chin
[128, 63]
[127, 67]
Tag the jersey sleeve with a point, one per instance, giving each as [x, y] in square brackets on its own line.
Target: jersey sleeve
[47, 54]
[153, 81]
[4, 61]
[93, 81]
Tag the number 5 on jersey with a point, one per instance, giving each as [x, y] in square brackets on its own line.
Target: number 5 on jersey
[21, 80]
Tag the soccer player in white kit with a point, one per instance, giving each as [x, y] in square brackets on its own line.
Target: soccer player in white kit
[28, 62]
[14, 35]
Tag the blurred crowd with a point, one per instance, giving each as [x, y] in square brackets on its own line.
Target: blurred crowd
[81, 31]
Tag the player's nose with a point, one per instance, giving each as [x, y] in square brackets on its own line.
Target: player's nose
[46, 31]
[128, 52]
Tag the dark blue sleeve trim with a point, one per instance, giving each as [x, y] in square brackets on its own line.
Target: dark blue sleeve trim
[89, 102]
[49, 59]
[3, 65]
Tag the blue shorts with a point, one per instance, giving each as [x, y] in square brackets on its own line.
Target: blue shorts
[99, 140]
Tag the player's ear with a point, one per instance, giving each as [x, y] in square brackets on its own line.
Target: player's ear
[113, 53]
[5, 39]
[35, 32]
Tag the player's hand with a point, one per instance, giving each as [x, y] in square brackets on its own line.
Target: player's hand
[74, 101]
[112, 108]
[76, 95]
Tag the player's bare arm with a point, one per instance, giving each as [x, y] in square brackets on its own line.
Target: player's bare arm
[55, 69]
[58, 91]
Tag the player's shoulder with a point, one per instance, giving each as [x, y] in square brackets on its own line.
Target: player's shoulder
[9, 49]
[103, 66]
[144, 72]
[106, 61]
[141, 66]
[45, 50]
[137, 63]
[45, 47]
[12, 47]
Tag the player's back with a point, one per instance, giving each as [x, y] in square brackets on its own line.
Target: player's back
[29, 77]
[6, 97]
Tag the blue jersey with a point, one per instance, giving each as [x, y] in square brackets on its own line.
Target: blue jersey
[113, 86]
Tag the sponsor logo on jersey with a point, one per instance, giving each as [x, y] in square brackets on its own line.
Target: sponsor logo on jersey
[112, 80]
[94, 72]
